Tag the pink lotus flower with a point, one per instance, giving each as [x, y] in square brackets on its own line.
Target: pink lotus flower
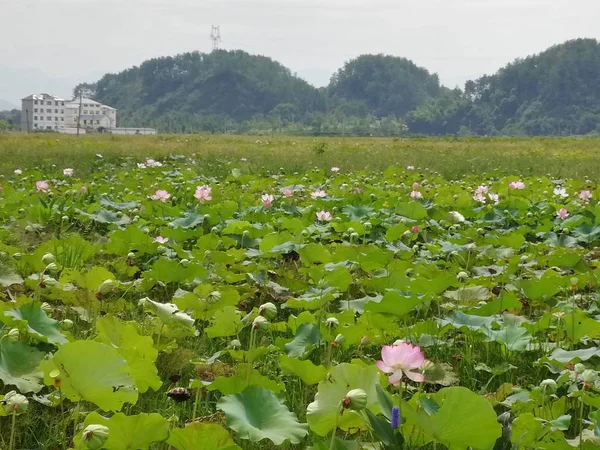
[203, 193]
[42, 186]
[324, 216]
[161, 240]
[18, 171]
[152, 163]
[585, 196]
[410, 167]
[267, 200]
[287, 192]
[562, 213]
[141, 165]
[319, 193]
[494, 198]
[335, 169]
[518, 185]
[415, 186]
[415, 229]
[83, 189]
[416, 195]
[68, 172]
[401, 359]
[358, 190]
[161, 195]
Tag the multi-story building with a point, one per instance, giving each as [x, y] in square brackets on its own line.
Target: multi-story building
[49, 112]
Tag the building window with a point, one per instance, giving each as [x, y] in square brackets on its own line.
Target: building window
[35, 102]
[49, 119]
[48, 110]
[62, 111]
[56, 111]
[35, 125]
[84, 121]
[62, 119]
[49, 103]
[62, 103]
[85, 112]
[34, 117]
[97, 122]
[56, 119]
[34, 109]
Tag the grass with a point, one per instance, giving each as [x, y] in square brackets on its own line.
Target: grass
[452, 158]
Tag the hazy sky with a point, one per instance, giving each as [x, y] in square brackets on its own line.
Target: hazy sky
[458, 39]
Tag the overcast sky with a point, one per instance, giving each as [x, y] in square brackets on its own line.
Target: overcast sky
[458, 39]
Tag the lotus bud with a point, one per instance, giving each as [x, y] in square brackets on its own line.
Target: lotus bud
[95, 436]
[107, 286]
[13, 335]
[368, 225]
[462, 276]
[332, 322]
[65, 218]
[268, 310]
[214, 230]
[246, 233]
[355, 400]
[354, 237]
[365, 340]
[340, 339]
[52, 269]
[50, 282]
[130, 255]
[589, 376]
[184, 262]
[66, 324]
[549, 385]
[579, 368]
[48, 258]
[17, 255]
[235, 344]
[260, 322]
[15, 403]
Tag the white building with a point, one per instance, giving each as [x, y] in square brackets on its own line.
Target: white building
[49, 112]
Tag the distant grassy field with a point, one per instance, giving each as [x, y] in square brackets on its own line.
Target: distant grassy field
[569, 157]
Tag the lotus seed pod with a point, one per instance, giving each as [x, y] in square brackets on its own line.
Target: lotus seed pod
[480, 231]
[368, 225]
[579, 368]
[354, 237]
[13, 335]
[15, 403]
[355, 400]
[462, 276]
[260, 322]
[95, 436]
[350, 230]
[107, 286]
[214, 230]
[549, 386]
[66, 324]
[184, 262]
[130, 255]
[50, 282]
[268, 310]
[235, 344]
[246, 233]
[589, 376]
[332, 322]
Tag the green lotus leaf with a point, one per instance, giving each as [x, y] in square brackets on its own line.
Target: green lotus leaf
[105, 216]
[256, 414]
[245, 375]
[120, 206]
[30, 317]
[470, 294]
[93, 372]
[19, 365]
[226, 322]
[411, 210]
[306, 370]
[190, 220]
[90, 280]
[129, 432]
[8, 277]
[321, 413]
[138, 351]
[307, 336]
[202, 436]
[515, 338]
[464, 419]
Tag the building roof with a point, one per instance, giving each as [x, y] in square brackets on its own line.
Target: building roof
[94, 116]
[43, 96]
[87, 101]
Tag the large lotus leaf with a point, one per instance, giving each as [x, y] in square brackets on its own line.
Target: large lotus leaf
[257, 414]
[121, 206]
[94, 372]
[244, 376]
[464, 419]
[128, 239]
[315, 254]
[8, 277]
[168, 313]
[170, 271]
[321, 414]
[90, 280]
[31, 317]
[412, 210]
[307, 335]
[190, 220]
[138, 351]
[202, 436]
[566, 357]
[470, 294]
[306, 370]
[460, 320]
[578, 326]
[19, 365]
[395, 304]
[129, 432]
[105, 216]
[226, 322]
[515, 338]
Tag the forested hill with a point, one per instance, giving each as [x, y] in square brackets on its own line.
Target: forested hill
[556, 92]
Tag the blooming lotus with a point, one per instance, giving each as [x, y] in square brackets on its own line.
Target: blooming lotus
[319, 193]
[287, 192]
[562, 213]
[560, 192]
[68, 172]
[161, 195]
[494, 198]
[83, 189]
[324, 216]
[416, 195]
[400, 359]
[585, 196]
[141, 165]
[152, 163]
[42, 186]
[267, 200]
[161, 240]
[203, 193]
[415, 186]
[410, 167]
[335, 169]
[18, 171]
[518, 185]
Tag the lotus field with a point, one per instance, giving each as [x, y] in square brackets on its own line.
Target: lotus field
[153, 304]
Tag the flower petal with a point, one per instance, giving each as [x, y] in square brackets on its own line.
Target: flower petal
[418, 377]
[384, 367]
[395, 377]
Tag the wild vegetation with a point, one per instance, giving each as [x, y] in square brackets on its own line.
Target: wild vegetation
[158, 293]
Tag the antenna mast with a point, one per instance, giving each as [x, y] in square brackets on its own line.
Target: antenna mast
[215, 37]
